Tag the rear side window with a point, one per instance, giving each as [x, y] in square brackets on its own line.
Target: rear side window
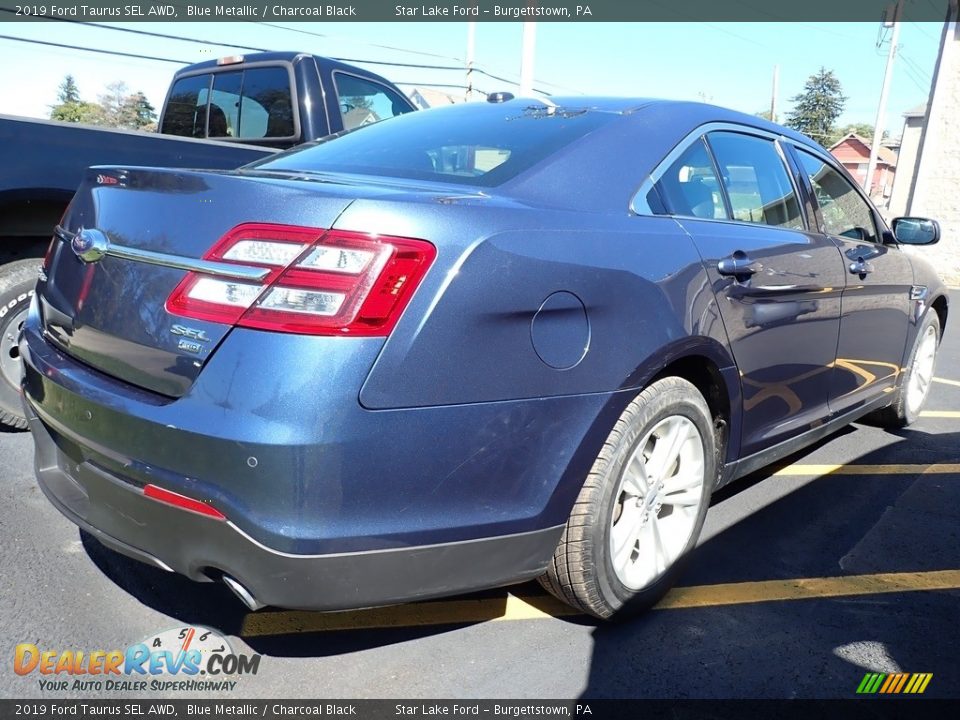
[689, 187]
[186, 113]
[472, 144]
[844, 211]
[756, 180]
[363, 102]
[250, 104]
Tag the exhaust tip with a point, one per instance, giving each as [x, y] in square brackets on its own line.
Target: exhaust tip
[241, 592]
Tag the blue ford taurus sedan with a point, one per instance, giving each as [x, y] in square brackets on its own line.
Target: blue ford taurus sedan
[464, 348]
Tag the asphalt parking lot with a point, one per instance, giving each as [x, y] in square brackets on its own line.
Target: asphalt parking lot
[843, 560]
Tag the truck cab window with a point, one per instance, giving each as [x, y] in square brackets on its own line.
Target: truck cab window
[266, 106]
[363, 102]
[186, 113]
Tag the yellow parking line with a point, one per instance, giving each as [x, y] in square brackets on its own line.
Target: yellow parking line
[805, 588]
[955, 383]
[939, 414]
[448, 612]
[928, 469]
[512, 607]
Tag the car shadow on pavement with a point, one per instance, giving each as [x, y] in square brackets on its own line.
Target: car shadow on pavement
[827, 526]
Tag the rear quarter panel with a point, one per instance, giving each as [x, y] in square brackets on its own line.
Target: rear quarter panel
[633, 296]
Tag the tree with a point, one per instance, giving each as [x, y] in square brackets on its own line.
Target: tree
[137, 111]
[816, 109]
[113, 102]
[68, 91]
[70, 108]
[864, 130]
[765, 114]
[78, 112]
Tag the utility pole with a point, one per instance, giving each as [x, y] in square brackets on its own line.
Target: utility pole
[471, 47]
[894, 22]
[773, 96]
[526, 58]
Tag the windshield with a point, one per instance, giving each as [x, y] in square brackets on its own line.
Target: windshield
[471, 144]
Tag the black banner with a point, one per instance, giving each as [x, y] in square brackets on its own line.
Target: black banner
[853, 709]
[473, 10]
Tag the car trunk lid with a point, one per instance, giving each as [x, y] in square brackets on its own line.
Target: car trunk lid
[110, 311]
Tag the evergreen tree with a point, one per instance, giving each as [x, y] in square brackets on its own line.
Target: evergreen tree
[139, 111]
[816, 109]
[68, 91]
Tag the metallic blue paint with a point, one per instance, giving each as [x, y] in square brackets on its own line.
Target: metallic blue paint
[472, 419]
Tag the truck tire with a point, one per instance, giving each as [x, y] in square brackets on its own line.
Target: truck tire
[17, 281]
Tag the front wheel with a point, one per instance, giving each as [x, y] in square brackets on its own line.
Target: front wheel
[17, 280]
[642, 506]
[910, 397]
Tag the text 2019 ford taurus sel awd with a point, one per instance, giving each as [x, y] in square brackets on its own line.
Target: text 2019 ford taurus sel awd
[464, 348]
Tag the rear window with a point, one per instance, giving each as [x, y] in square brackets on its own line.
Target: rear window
[471, 144]
[251, 104]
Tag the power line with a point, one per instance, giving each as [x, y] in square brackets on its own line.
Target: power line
[95, 50]
[185, 62]
[144, 32]
[344, 37]
[199, 41]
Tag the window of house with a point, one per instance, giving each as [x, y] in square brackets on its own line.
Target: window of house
[845, 213]
[756, 180]
[689, 187]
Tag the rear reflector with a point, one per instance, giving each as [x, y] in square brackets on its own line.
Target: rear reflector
[320, 282]
[182, 502]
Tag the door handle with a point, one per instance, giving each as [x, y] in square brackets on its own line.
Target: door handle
[861, 267]
[739, 266]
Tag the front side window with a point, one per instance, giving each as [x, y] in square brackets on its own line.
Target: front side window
[845, 213]
[363, 102]
[756, 180]
[689, 187]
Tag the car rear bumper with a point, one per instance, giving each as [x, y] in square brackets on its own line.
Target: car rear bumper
[121, 517]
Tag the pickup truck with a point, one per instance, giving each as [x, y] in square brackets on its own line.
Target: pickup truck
[218, 114]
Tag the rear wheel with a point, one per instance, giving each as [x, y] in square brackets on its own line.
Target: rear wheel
[17, 281]
[911, 396]
[642, 507]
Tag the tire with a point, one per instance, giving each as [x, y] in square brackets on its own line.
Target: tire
[909, 398]
[585, 572]
[17, 281]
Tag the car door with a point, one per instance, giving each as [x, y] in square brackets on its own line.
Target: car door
[777, 284]
[875, 306]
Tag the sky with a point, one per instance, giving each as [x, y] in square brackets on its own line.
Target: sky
[728, 64]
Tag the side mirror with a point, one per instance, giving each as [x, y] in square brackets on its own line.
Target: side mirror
[916, 230]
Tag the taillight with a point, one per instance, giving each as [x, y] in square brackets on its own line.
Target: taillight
[320, 282]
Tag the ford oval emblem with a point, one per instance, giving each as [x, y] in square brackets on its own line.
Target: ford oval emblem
[89, 245]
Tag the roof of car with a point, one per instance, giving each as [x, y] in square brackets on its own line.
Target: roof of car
[685, 112]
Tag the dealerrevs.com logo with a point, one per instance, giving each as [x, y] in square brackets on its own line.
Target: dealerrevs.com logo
[184, 659]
